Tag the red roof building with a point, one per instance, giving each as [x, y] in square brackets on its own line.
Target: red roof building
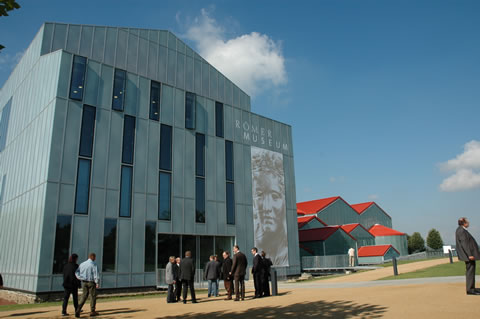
[311, 221]
[374, 251]
[380, 230]
[314, 206]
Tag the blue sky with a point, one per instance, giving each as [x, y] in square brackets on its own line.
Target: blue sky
[383, 96]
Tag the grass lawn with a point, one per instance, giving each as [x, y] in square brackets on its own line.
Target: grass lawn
[444, 270]
[403, 262]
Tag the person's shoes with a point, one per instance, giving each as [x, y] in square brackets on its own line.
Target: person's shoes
[228, 299]
[64, 314]
[473, 292]
[77, 314]
[194, 301]
[236, 299]
[477, 289]
[94, 313]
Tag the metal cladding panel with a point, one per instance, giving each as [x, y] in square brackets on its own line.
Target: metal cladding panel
[96, 220]
[363, 237]
[102, 134]
[189, 165]
[338, 213]
[131, 98]
[92, 82]
[374, 215]
[124, 259]
[370, 260]
[399, 242]
[180, 153]
[338, 243]
[179, 109]
[141, 154]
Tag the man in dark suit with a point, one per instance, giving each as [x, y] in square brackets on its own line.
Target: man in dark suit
[258, 272]
[267, 264]
[187, 276]
[178, 282]
[227, 277]
[239, 268]
[467, 251]
[70, 283]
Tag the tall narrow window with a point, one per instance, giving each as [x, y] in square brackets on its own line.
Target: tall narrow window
[155, 101]
[83, 186]
[190, 110]
[78, 77]
[164, 196]
[128, 140]
[87, 131]
[230, 203]
[166, 147]
[200, 178]
[200, 200]
[230, 186]
[85, 153]
[109, 245]
[119, 90]
[62, 243]
[219, 119]
[126, 191]
[150, 236]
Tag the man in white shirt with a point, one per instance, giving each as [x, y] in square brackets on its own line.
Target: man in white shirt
[351, 257]
[88, 274]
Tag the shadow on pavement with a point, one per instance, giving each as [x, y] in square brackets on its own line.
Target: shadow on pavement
[26, 313]
[317, 309]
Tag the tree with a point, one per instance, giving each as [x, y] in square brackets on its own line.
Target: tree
[5, 6]
[434, 240]
[416, 243]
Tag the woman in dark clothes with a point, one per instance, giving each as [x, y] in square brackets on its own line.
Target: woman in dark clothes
[70, 283]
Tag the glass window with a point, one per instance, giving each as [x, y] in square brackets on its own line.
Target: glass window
[219, 119]
[78, 77]
[119, 90]
[150, 234]
[166, 147]
[109, 245]
[230, 204]
[62, 243]
[168, 245]
[190, 111]
[126, 191]
[88, 131]
[200, 200]
[200, 154]
[83, 186]
[128, 139]
[164, 194]
[155, 101]
[189, 243]
[206, 250]
[229, 160]
[223, 243]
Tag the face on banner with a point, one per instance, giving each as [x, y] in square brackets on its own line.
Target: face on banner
[269, 208]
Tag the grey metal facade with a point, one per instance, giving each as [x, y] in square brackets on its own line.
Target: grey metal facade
[38, 166]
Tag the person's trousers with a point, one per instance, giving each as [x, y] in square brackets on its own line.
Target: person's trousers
[66, 296]
[212, 287]
[186, 284]
[240, 287]
[266, 286]
[89, 288]
[178, 290]
[170, 294]
[228, 287]
[351, 260]
[258, 283]
[470, 274]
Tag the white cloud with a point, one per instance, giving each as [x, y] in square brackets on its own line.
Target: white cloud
[466, 169]
[9, 61]
[252, 61]
[373, 196]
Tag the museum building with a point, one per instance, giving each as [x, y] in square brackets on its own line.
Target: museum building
[126, 143]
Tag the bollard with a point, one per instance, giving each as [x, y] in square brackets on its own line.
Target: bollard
[273, 278]
[395, 268]
[450, 255]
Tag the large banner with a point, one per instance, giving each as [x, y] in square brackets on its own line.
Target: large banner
[269, 207]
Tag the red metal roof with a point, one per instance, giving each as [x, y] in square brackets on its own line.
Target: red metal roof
[314, 206]
[360, 208]
[300, 212]
[317, 234]
[374, 251]
[303, 220]
[348, 228]
[380, 230]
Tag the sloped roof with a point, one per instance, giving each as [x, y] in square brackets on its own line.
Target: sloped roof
[303, 220]
[307, 249]
[348, 228]
[314, 206]
[374, 251]
[360, 208]
[317, 234]
[300, 212]
[380, 230]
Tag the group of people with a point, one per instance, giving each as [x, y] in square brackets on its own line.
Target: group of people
[180, 275]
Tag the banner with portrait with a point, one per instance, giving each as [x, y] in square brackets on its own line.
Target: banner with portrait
[269, 205]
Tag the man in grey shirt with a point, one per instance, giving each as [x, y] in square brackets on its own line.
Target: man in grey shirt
[88, 274]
